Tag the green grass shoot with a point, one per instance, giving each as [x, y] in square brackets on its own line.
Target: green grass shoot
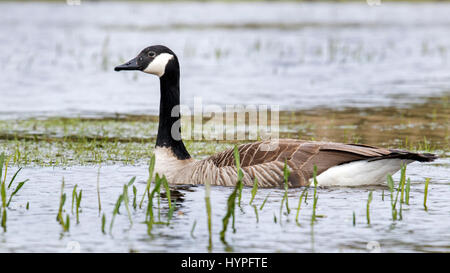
[427, 181]
[285, 198]
[240, 175]
[264, 202]
[62, 200]
[149, 214]
[14, 177]
[3, 191]
[402, 182]
[78, 204]
[16, 190]
[126, 200]
[299, 205]
[169, 199]
[390, 182]
[65, 223]
[98, 191]
[407, 190]
[231, 203]
[115, 211]
[151, 168]
[254, 190]
[315, 197]
[369, 200]
[103, 223]
[74, 196]
[134, 197]
[209, 218]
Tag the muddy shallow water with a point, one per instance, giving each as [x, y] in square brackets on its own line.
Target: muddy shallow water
[339, 72]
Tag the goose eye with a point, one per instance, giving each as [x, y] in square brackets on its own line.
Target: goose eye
[151, 54]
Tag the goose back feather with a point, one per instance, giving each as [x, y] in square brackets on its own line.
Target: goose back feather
[267, 166]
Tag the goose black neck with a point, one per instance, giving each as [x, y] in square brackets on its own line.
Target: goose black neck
[169, 114]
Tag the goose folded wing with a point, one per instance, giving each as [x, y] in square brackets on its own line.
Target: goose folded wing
[300, 156]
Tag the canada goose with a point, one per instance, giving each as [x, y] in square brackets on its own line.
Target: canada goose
[337, 163]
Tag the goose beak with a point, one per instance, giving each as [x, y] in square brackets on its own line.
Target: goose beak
[130, 65]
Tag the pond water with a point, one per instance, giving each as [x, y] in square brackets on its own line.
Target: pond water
[378, 75]
[36, 229]
[60, 60]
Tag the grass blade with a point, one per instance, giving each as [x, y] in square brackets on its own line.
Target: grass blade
[151, 168]
[427, 181]
[369, 199]
[14, 177]
[19, 186]
[254, 190]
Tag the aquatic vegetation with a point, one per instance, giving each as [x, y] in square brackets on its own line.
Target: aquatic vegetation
[134, 197]
[209, 216]
[98, 191]
[169, 199]
[130, 139]
[115, 211]
[425, 196]
[3, 189]
[299, 204]
[149, 213]
[103, 223]
[254, 191]
[74, 196]
[151, 169]
[264, 202]
[390, 182]
[126, 198]
[403, 190]
[402, 182]
[65, 223]
[369, 200]
[78, 203]
[285, 199]
[315, 197]
[231, 201]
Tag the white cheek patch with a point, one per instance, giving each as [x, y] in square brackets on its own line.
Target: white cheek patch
[158, 65]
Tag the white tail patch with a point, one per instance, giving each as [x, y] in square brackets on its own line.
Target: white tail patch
[360, 173]
[158, 65]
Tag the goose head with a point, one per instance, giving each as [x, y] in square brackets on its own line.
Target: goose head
[156, 60]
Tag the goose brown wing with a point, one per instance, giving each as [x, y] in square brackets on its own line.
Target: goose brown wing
[301, 156]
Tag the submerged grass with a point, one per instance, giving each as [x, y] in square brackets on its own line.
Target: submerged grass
[65, 223]
[129, 139]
